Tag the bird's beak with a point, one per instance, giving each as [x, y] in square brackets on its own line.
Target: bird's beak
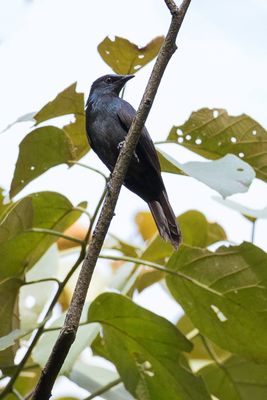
[125, 78]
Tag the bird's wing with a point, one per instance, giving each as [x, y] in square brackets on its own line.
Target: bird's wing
[145, 148]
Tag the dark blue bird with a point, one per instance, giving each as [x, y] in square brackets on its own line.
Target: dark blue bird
[108, 120]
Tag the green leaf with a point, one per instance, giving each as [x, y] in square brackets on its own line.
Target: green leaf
[224, 294]
[147, 279]
[77, 134]
[125, 248]
[169, 164]
[66, 102]
[39, 151]
[196, 231]
[236, 379]
[213, 133]
[4, 206]
[9, 290]
[146, 350]
[228, 175]
[125, 57]
[199, 351]
[20, 249]
[25, 383]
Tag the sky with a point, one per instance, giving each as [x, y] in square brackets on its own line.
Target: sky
[221, 61]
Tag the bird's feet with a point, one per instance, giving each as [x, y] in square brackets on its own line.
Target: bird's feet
[120, 144]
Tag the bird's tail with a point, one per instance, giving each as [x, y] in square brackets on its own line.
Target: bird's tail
[165, 220]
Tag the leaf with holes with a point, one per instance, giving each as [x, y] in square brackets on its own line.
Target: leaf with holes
[19, 247]
[39, 151]
[146, 350]
[224, 295]
[125, 57]
[196, 231]
[228, 175]
[236, 379]
[213, 133]
[66, 102]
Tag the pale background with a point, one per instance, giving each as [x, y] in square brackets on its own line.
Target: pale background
[221, 61]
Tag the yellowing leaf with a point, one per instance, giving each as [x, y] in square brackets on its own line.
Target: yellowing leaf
[125, 57]
[66, 102]
[213, 133]
[146, 224]
[77, 134]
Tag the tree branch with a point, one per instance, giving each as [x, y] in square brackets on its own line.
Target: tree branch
[68, 331]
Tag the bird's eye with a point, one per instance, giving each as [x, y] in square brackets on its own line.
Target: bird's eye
[108, 80]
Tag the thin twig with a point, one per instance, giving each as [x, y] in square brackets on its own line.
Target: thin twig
[71, 323]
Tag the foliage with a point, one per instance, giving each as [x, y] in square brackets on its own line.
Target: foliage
[218, 348]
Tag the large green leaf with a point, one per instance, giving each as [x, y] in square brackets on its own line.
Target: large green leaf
[199, 351]
[213, 133]
[9, 290]
[228, 175]
[66, 102]
[39, 151]
[125, 57]
[224, 294]
[21, 249]
[196, 231]
[146, 350]
[236, 379]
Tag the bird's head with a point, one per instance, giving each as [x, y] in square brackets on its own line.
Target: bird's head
[109, 84]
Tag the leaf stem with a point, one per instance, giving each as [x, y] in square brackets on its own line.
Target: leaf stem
[43, 280]
[17, 394]
[88, 167]
[104, 389]
[56, 233]
[253, 231]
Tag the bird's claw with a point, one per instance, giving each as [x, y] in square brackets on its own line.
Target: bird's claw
[120, 144]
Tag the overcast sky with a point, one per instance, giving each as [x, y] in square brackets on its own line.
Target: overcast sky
[221, 62]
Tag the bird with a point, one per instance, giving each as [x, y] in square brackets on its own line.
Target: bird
[108, 120]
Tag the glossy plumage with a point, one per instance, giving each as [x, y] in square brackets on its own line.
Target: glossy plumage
[108, 119]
